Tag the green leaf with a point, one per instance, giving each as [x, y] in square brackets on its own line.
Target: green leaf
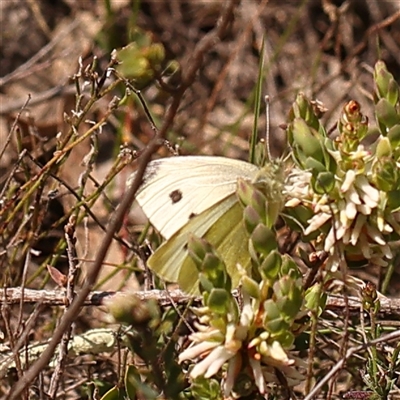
[315, 165]
[206, 389]
[250, 286]
[305, 143]
[134, 385]
[271, 312]
[285, 338]
[219, 301]
[251, 218]
[386, 175]
[323, 182]
[289, 267]
[383, 148]
[386, 115]
[131, 381]
[394, 136]
[277, 326]
[271, 265]
[115, 393]
[257, 104]
[264, 239]
[394, 200]
[315, 298]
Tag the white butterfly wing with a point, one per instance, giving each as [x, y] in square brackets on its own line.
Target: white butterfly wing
[175, 189]
[229, 239]
[167, 262]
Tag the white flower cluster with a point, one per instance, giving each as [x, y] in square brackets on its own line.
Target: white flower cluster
[356, 209]
[216, 346]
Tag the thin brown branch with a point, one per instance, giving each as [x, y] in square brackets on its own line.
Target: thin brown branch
[371, 31]
[70, 293]
[390, 308]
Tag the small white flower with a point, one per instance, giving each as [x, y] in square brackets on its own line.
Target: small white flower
[352, 196]
[231, 375]
[246, 316]
[196, 350]
[348, 180]
[276, 352]
[355, 234]
[316, 222]
[360, 153]
[364, 209]
[368, 192]
[387, 251]
[212, 363]
[258, 375]
[350, 210]
[374, 234]
[294, 202]
[365, 246]
[378, 261]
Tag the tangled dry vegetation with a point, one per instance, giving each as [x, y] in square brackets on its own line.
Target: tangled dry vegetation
[74, 124]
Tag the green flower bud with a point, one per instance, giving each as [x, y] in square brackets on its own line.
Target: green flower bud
[382, 78]
[305, 143]
[273, 209]
[353, 126]
[128, 309]
[393, 92]
[369, 296]
[289, 297]
[211, 267]
[386, 86]
[283, 287]
[133, 64]
[155, 54]
[277, 326]
[214, 271]
[304, 109]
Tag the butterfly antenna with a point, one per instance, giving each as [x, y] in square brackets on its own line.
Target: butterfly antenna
[267, 129]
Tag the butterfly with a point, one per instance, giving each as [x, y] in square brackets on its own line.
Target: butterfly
[196, 195]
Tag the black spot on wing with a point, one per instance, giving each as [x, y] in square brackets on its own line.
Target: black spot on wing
[175, 196]
[192, 215]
